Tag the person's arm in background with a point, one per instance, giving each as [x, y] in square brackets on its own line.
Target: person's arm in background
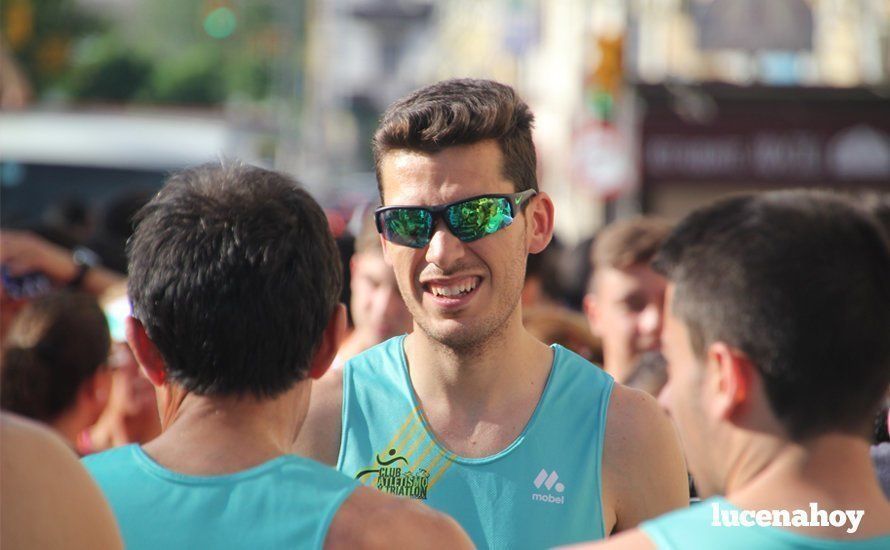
[23, 252]
[319, 438]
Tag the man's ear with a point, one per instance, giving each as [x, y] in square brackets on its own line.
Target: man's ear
[145, 352]
[732, 381]
[539, 222]
[384, 245]
[592, 313]
[331, 339]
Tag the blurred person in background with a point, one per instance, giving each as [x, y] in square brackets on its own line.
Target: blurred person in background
[625, 299]
[47, 498]
[525, 445]
[649, 373]
[880, 449]
[574, 272]
[234, 279]
[378, 311]
[71, 220]
[131, 415]
[543, 312]
[776, 340]
[878, 204]
[558, 325]
[32, 265]
[114, 227]
[542, 287]
[55, 364]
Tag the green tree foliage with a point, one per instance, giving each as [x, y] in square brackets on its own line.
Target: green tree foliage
[192, 52]
[196, 76]
[41, 35]
[109, 71]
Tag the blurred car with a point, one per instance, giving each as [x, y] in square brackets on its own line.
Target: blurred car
[88, 157]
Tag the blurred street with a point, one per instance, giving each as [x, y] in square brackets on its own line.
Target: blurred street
[650, 106]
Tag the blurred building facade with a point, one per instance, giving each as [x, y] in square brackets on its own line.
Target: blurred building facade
[644, 105]
[732, 96]
[641, 105]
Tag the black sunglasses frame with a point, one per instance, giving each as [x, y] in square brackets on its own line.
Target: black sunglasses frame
[515, 200]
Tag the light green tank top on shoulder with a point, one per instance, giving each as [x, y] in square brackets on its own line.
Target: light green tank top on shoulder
[543, 490]
[287, 502]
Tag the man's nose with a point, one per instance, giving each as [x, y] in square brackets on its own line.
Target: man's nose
[444, 249]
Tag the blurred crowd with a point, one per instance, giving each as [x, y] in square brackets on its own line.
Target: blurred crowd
[66, 362]
[64, 288]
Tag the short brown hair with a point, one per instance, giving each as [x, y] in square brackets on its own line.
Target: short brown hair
[461, 112]
[626, 243]
[629, 242]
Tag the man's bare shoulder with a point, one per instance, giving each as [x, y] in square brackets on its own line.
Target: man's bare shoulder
[371, 519]
[633, 417]
[644, 472]
[48, 498]
[319, 437]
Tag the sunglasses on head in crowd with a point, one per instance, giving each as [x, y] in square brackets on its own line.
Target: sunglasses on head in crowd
[467, 219]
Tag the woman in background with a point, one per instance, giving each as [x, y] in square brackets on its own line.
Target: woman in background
[54, 363]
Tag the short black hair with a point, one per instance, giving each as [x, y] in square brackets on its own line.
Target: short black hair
[234, 274]
[800, 282]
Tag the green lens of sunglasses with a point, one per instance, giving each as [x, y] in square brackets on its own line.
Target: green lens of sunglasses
[474, 219]
[408, 226]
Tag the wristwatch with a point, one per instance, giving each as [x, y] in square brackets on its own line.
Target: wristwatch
[83, 259]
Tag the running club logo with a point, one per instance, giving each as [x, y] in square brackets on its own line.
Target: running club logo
[394, 476]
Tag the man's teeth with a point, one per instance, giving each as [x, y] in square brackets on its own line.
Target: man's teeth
[454, 290]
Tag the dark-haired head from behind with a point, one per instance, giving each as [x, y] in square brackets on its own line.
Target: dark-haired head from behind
[799, 282]
[234, 275]
[461, 112]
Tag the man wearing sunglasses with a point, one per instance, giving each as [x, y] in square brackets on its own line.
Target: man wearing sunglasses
[469, 412]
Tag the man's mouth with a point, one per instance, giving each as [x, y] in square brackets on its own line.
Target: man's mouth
[454, 288]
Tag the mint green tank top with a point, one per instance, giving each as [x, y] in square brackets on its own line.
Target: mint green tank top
[543, 490]
[287, 502]
[694, 527]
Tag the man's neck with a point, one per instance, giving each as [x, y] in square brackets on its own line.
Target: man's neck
[224, 435]
[833, 470]
[484, 396]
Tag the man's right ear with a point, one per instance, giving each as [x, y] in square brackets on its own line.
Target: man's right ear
[145, 352]
[331, 339]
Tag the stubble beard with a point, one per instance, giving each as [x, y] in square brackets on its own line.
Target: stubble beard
[475, 338]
